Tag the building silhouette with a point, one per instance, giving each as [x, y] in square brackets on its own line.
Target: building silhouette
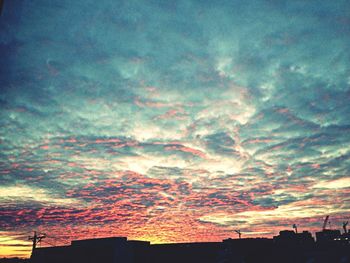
[291, 238]
[287, 247]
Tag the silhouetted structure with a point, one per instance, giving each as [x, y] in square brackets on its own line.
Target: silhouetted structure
[344, 227]
[247, 250]
[104, 250]
[239, 233]
[36, 238]
[330, 237]
[327, 236]
[291, 238]
[296, 228]
[206, 252]
[287, 247]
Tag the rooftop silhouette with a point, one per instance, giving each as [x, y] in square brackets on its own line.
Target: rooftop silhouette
[288, 246]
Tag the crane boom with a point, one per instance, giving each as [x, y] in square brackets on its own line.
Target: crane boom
[325, 223]
[344, 226]
[239, 233]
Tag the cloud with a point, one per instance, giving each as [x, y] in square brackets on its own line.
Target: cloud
[16, 193]
[334, 184]
[173, 120]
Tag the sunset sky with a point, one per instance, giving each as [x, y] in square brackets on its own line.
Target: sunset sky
[172, 121]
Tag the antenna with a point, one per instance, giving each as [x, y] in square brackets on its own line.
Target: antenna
[296, 228]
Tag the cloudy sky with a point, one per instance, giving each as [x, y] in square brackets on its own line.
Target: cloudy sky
[172, 121]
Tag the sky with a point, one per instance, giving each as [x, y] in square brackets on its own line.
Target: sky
[172, 121]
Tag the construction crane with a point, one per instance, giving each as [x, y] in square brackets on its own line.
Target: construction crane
[239, 233]
[296, 228]
[344, 226]
[36, 238]
[325, 223]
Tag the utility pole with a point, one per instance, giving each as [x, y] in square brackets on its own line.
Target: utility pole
[36, 238]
